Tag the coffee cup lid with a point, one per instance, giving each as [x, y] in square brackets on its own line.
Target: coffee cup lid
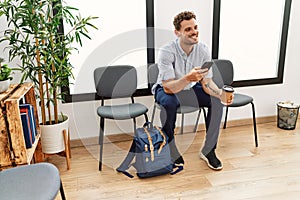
[228, 88]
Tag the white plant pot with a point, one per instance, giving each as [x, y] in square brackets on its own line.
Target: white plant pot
[52, 137]
[4, 85]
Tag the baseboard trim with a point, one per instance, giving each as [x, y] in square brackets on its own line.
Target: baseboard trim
[120, 137]
[187, 129]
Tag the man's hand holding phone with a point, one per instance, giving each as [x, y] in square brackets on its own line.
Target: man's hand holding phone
[205, 67]
[203, 70]
[198, 73]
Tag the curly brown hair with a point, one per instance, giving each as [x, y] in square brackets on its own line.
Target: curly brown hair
[185, 15]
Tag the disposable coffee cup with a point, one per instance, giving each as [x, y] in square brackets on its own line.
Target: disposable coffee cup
[227, 98]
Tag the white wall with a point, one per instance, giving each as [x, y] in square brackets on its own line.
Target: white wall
[85, 122]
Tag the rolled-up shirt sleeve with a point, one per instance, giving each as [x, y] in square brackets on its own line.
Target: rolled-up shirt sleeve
[165, 66]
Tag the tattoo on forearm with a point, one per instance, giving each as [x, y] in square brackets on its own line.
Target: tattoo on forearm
[211, 89]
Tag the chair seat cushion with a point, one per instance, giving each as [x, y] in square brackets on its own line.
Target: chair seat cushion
[182, 109]
[186, 109]
[241, 100]
[120, 112]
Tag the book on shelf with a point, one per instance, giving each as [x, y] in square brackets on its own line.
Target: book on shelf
[30, 111]
[26, 130]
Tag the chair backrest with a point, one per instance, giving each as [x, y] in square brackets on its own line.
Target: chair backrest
[115, 81]
[152, 74]
[223, 72]
[20, 182]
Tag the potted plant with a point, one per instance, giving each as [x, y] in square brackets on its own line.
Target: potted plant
[35, 36]
[5, 76]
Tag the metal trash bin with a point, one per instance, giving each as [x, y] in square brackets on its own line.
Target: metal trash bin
[287, 115]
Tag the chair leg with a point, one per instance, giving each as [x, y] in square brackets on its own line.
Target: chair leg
[197, 121]
[182, 123]
[146, 117]
[134, 125]
[254, 125]
[225, 121]
[205, 117]
[101, 135]
[62, 192]
[153, 113]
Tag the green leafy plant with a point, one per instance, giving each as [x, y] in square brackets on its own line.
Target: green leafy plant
[5, 71]
[34, 36]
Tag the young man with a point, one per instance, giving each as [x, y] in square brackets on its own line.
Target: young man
[181, 81]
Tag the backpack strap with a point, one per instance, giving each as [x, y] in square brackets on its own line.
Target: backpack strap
[179, 168]
[164, 142]
[126, 173]
[126, 164]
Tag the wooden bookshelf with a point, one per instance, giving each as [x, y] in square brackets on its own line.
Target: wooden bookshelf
[12, 143]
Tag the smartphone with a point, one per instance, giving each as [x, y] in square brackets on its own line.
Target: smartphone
[207, 65]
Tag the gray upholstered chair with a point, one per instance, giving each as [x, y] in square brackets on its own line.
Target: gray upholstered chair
[223, 75]
[40, 181]
[113, 82]
[152, 77]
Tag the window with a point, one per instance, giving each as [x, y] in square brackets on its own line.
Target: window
[252, 34]
[120, 39]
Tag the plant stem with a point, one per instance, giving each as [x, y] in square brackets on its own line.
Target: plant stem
[40, 77]
[55, 107]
